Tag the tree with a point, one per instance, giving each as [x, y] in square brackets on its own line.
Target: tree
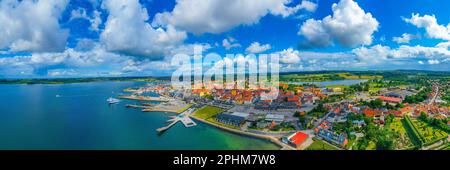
[423, 116]
[389, 119]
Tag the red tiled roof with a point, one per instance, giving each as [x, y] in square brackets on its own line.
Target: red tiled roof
[371, 112]
[395, 112]
[390, 99]
[298, 138]
[292, 99]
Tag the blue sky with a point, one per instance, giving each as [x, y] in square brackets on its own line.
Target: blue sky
[62, 38]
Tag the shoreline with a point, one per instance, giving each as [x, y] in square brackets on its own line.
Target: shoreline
[142, 98]
[248, 134]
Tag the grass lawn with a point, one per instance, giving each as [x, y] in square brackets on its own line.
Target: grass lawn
[374, 89]
[430, 133]
[320, 145]
[371, 146]
[207, 112]
[337, 86]
[184, 108]
[403, 141]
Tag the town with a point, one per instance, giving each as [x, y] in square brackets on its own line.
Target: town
[369, 113]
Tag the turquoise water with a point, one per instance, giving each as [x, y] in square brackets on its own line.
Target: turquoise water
[32, 117]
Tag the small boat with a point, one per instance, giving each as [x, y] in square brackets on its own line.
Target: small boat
[58, 95]
[113, 100]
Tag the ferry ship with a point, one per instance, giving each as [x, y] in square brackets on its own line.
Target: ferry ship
[113, 100]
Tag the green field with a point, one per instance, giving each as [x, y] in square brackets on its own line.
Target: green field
[320, 145]
[403, 141]
[184, 108]
[207, 112]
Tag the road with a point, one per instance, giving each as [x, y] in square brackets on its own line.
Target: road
[436, 94]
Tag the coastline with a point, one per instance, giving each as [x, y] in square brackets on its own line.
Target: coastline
[264, 137]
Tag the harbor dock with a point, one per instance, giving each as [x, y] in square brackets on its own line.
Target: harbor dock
[136, 106]
[183, 117]
[143, 98]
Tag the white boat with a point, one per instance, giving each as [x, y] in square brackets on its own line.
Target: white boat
[58, 95]
[112, 100]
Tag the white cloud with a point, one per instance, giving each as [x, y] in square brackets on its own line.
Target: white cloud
[379, 54]
[217, 16]
[308, 5]
[62, 72]
[64, 63]
[96, 20]
[429, 22]
[349, 25]
[289, 56]
[445, 45]
[432, 62]
[230, 43]
[78, 13]
[32, 25]
[375, 54]
[405, 38]
[126, 31]
[255, 47]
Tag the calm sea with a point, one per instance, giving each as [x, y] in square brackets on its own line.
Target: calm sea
[33, 117]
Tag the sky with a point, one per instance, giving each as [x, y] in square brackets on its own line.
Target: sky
[91, 38]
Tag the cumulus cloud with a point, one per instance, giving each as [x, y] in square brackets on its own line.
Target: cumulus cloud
[405, 38]
[126, 31]
[230, 43]
[308, 5]
[429, 22]
[379, 54]
[375, 54]
[63, 63]
[217, 16]
[289, 56]
[432, 62]
[255, 47]
[349, 25]
[32, 25]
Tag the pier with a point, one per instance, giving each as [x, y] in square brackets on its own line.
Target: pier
[136, 106]
[143, 98]
[183, 117]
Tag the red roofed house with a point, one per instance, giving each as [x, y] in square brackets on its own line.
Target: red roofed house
[407, 110]
[396, 113]
[297, 139]
[390, 99]
[369, 112]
